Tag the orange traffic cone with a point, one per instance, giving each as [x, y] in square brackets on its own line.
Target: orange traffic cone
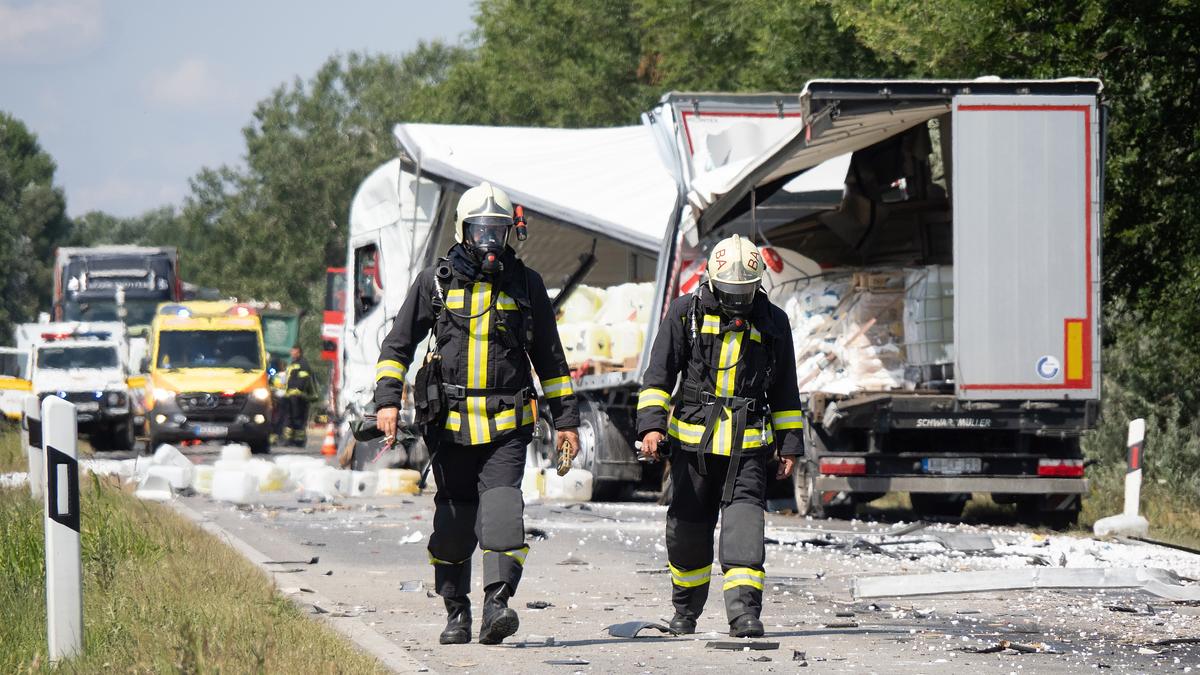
[329, 447]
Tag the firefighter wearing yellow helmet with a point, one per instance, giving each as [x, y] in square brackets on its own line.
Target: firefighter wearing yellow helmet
[474, 400]
[737, 404]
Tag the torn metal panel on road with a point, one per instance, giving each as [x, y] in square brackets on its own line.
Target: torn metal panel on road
[752, 645]
[630, 629]
[1158, 582]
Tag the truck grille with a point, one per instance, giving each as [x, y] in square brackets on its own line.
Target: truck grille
[204, 403]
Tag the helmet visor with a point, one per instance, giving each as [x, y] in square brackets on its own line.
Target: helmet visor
[734, 297]
[486, 233]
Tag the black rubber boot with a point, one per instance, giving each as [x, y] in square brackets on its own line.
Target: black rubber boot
[458, 622]
[499, 621]
[746, 625]
[682, 625]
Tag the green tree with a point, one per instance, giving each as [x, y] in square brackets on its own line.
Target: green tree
[33, 223]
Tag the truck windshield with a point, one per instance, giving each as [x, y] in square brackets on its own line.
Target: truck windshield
[70, 358]
[209, 349]
[137, 312]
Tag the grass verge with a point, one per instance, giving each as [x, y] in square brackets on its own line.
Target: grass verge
[160, 595]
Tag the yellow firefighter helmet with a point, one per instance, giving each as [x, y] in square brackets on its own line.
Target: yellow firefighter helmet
[735, 270]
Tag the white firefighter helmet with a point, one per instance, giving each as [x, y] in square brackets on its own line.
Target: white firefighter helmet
[484, 203]
[735, 270]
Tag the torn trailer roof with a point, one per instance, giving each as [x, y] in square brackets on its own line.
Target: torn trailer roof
[608, 182]
[843, 116]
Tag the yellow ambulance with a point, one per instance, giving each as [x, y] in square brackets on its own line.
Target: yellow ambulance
[207, 376]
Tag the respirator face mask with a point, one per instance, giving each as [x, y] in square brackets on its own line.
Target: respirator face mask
[486, 237]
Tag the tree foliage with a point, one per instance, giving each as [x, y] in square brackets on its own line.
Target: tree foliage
[33, 223]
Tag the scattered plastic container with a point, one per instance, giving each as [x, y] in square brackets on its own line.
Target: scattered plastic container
[154, 488]
[237, 452]
[202, 479]
[234, 485]
[395, 482]
[270, 477]
[533, 483]
[576, 486]
[178, 477]
[327, 482]
[363, 483]
[297, 466]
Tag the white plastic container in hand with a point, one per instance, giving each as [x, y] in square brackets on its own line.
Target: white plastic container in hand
[234, 485]
[576, 486]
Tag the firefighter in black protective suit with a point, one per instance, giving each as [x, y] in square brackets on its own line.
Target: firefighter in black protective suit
[490, 317]
[737, 402]
[300, 390]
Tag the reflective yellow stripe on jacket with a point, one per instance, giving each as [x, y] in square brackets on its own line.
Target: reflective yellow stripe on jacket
[691, 434]
[477, 362]
[389, 368]
[557, 387]
[787, 419]
[654, 398]
[726, 385]
[505, 420]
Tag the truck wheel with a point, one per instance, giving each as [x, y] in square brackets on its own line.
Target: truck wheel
[1057, 512]
[808, 500]
[122, 436]
[540, 453]
[940, 505]
[260, 447]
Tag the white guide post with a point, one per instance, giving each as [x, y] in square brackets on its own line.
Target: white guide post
[1133, 468]
[31, 437]
[64, 579]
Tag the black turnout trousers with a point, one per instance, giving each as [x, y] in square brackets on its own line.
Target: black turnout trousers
[478, 503]
[692, 520]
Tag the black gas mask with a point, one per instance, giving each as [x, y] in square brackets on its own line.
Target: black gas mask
[486, 237]
[735, 299]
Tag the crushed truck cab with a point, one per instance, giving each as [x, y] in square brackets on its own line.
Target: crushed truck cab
[207, 377]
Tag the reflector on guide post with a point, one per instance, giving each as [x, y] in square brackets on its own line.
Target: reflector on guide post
[31, 436]
[64, 587]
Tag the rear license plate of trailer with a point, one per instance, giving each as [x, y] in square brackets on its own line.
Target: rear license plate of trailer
[952, 466]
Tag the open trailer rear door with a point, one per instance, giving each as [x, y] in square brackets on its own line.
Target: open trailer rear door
[1026, 194]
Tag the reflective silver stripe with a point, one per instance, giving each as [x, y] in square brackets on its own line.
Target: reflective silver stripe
[788, 419]
[390, 368]
[650, 398]
[744, 576]
[690, 578]
[557, 387]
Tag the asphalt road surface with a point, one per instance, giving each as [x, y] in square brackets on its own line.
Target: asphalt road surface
[594, 565]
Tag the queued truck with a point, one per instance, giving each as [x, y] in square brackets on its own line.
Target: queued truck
[115, 283]
[950, 226]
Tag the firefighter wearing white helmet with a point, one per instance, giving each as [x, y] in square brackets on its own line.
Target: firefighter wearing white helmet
[474, 399]
[736, 406]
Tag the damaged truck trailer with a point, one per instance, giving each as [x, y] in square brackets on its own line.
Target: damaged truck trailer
[945, 306]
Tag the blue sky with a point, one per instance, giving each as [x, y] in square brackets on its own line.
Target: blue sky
[133, 97]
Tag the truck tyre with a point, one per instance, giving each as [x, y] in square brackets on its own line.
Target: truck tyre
[1057, 512]
[101, 440]
[540, 453]
[260, 447]
[122, 436]
[808, 500]
[938, 505]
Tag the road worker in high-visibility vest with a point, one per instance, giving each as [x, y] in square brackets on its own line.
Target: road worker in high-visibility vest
[491, 317]
[736, 405]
